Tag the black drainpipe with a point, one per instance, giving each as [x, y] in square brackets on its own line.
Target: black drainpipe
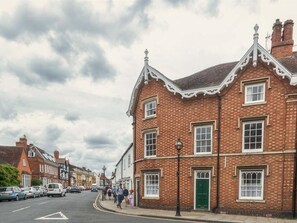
[295, 173]
[218, 150]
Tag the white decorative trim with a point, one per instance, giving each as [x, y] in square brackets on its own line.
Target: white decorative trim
[255, 52]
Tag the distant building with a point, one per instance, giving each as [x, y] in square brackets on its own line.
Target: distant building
[80, 176]
[63, 169]
[16, 156]
[124, 169]
[237, 122]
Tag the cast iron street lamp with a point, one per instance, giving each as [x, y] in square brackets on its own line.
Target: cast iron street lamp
[104, 168]
[178, 146]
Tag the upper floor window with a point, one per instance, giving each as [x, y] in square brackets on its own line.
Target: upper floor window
[31, 153]
[151, 185]
[253, 134]
[150, 109]
[203, 139]
[24, 162]
[251, 184]
[254, 93]
[150, 143]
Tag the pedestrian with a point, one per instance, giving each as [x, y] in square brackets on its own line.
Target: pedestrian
[120, 196]
[109, 193]
[114, 192]
[131, 198]
[126, 193]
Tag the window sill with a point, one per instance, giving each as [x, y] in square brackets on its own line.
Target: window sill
[249, 201]
[254, 103]
[150, 117]
[252, 152]
[150, 198]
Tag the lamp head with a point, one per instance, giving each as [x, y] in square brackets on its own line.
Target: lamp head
[178, 145]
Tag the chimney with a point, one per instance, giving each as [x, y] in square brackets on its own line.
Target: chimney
[282, 39]
[22, 142]
[56, 154]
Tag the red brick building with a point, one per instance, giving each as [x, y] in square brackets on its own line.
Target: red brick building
[16, 156]
[43, 165]
[237, 122]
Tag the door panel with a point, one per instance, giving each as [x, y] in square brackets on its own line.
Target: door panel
[202, 193]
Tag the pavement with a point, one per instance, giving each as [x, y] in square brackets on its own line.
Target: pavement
[194, 216]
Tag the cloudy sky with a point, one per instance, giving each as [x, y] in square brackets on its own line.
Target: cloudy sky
[67, 68]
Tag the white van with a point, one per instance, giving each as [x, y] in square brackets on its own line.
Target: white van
[55, 189]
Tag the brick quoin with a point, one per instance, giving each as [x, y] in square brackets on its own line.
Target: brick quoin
[176, 117]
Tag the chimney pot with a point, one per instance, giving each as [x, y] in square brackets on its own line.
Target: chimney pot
[56, 154]
[282, 39]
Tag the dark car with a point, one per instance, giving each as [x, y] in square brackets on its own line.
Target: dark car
[75, 189]
[94, 188]
[11, 193]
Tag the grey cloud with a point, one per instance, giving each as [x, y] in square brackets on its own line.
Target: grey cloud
[99, 141]
[26, 21]
[71, 116]
[40, 71]
[52, 133]
[51, 70]
[212, 7]
[6, 110]
[63, 44]
[97, 67]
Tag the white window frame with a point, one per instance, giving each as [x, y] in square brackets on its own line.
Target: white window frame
[146, 146]
[31, 153]
[150, 109]
[243, 137]
[246, 96]
[195, 138]
[252, 184]
[147, 184]
[24, 162]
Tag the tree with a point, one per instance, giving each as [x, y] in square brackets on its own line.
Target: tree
[36, 182]
[9, 175]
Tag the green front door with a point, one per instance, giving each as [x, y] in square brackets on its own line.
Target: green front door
[202, 193]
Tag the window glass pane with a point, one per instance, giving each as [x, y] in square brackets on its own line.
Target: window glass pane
[150, 143]
[254, 93]
[152, 184]
[150, 108]
[203, 139]
[251, 185]
[253, 135]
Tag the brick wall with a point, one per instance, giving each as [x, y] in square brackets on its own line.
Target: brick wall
[175, 118]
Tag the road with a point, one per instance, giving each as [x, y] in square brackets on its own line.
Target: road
[74, 208]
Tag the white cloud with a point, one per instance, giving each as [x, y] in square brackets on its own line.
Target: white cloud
[67, 72]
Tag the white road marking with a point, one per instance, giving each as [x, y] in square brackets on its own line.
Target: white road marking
[44, 202]
[48, 217]
[21, 209]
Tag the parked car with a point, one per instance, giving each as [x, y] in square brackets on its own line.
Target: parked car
[55, 189]
[31, 192]
[42, 190]
[94, 188]
[81, 188]
[11, 193]
[75, 189]
[68, 189]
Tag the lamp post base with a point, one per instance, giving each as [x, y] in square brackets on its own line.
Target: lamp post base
[177, 211]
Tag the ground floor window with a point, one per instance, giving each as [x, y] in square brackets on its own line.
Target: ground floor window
[151, 184]
[251, 184]
[26, 180]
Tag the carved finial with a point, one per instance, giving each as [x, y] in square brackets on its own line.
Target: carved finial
[255, 50]
[146, 57]
[256, 28]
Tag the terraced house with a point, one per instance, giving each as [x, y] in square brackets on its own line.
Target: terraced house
[237, 122]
